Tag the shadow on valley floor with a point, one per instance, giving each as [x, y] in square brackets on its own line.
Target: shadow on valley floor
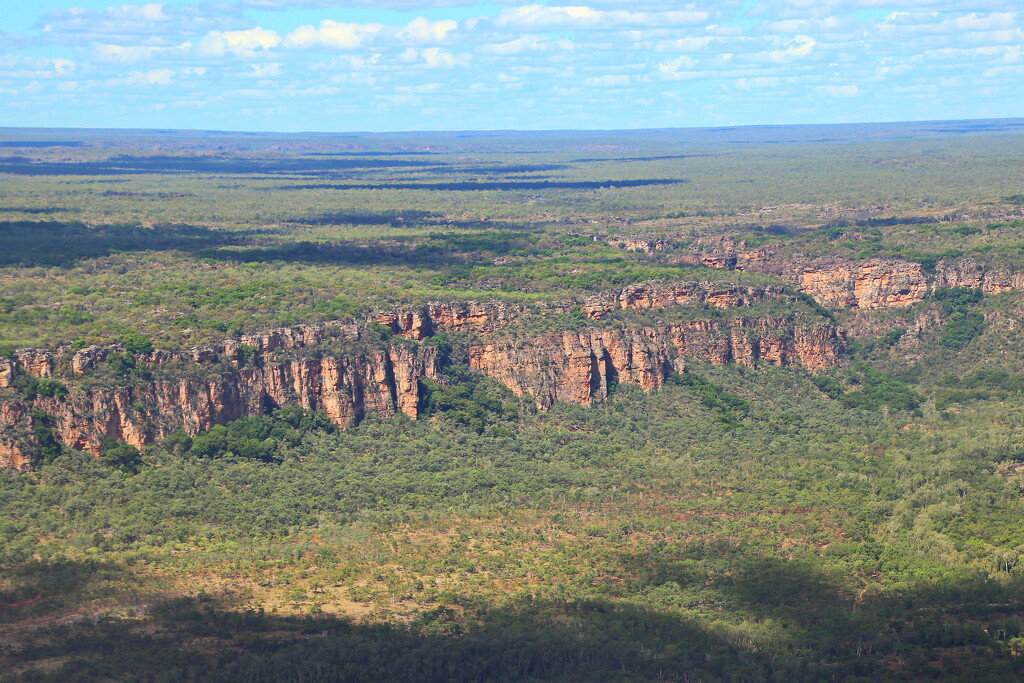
[37, 210]
[772, 621]
[52, 243]
[433, 249]
[163, 165]
[471, 186]
[63, 244]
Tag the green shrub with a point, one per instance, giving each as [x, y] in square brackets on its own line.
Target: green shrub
[468, 400]
[32, 388]
[878, 390]
[253, 438]
[135, 343]
[957, 298]
[961, 330]
[730, 407]
[120, 455]
[42, 428]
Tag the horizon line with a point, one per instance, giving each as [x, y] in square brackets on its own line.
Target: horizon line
[511, 130]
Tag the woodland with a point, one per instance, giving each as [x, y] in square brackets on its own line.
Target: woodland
[763, 520]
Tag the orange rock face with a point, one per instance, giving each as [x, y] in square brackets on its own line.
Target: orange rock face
[646, 245]
[868, 284]
[17, 442]
[579, 367]
[488, 316]
[345, 388]
[468, 316]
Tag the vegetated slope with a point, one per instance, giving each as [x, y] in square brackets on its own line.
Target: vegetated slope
[737, 523]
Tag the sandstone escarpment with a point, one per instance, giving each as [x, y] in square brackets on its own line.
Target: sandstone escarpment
[334, 368]
[487, 316]
[17, 441]
[580, 367]
[646, 245]
[866, 284]
[218, 389]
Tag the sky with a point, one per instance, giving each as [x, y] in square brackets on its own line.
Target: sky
[410, 65]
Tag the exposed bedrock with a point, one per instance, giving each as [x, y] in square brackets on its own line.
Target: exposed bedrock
[332, 368]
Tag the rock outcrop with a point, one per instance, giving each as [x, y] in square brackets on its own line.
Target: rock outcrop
[333, 368]
[646, 245]
[214, 389]
[17, 441]
[866, 284]
[580, 367]
[483, 317]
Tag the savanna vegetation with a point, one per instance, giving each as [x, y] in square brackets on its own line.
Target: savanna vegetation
[864, 522]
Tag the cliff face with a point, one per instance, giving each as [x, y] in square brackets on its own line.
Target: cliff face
[880, 283]
[868, 284]
[17, 442]
[217, 389]
[580, 367]
[325, 367]
[483, 317]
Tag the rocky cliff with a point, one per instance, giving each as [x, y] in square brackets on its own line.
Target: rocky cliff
[581, 367]
[866, 284]
[217, 389]
[482, 317]
[338, 369]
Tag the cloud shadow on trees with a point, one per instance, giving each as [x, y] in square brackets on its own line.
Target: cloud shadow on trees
[783, 621]
[53, 243]
[434, 250]
[478, 185]
[163, 165]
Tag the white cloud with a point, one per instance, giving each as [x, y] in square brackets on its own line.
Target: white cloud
[349, 63]
[425, 32]
[237, 43]
[137, 54]
[436, 58]
[971, 57]
[335, 35]
[923, 23]
[153, 23]
[790, 26]
[372, 4]
[546, 18]
[158, 76]
[757, 83]
[17, 67]
[823, 54]
[141, 78]
[837, 90]
[799, 46]
[332, 35]
[421, 89]
[265, 70]
[687, 44]
[671, 66]
[526, 43]
[608, 81]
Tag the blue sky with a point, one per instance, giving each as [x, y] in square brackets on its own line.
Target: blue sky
[346, 65]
